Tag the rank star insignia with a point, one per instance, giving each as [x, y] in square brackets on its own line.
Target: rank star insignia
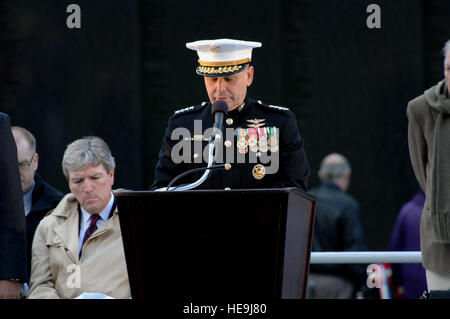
[214, 47]
[256, 123]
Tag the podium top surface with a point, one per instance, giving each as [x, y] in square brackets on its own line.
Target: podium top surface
[262, 191]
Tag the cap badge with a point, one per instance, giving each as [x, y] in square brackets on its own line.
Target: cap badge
[214, 47]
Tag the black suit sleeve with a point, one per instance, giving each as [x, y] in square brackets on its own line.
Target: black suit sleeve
[12, 217]
[294, 167]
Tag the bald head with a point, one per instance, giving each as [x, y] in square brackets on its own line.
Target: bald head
[26, 156]
[24, 136]
[336, 168]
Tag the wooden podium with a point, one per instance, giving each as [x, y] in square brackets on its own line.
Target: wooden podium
[252, 243]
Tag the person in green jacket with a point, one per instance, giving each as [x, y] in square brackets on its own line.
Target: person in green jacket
[428, 138]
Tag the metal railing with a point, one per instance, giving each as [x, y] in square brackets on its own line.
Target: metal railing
[366, 257]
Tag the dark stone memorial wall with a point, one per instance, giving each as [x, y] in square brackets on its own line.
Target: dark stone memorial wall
[127, 70]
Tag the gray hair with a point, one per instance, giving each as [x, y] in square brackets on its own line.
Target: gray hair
[87, 150]
[334, 166]
[446, 49]
[27, 136]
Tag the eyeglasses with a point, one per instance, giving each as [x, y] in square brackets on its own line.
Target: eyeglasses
[26, 164]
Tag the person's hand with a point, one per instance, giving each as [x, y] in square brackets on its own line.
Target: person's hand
[10, 289]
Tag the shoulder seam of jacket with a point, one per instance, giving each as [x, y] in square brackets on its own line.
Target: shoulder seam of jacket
[189, 108]
[276, 107]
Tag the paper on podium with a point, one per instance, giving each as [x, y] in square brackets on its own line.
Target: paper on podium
[93, 295]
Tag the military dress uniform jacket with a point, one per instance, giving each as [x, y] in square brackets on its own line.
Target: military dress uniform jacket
[293, 168]
[57, 271]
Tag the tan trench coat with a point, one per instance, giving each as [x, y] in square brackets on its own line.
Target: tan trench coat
[57, 271]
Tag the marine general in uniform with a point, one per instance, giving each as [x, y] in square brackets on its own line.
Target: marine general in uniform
[261, 146]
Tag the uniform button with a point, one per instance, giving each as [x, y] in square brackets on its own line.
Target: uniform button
[259, 101]
[204, 103]
[227, 143]
[229, 121]
[195, 155]
[227, 188]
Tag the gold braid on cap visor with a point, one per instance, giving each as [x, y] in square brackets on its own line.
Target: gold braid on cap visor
[221, 67]
[220, 70]
[225, 63]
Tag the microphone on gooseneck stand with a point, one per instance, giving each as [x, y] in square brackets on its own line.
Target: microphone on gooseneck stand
[219, 109]
[194, 170]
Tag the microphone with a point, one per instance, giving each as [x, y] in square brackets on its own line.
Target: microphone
[219, 109]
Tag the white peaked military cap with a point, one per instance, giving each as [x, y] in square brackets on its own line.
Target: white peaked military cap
[222, 57]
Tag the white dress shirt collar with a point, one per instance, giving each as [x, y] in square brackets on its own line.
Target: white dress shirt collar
[85, 220]
[104, 214]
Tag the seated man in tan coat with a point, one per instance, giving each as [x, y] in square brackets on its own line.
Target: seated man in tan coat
[78, 247]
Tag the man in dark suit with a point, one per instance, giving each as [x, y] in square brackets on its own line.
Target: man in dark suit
[38, 196]
[337, 227]
[13, 263]
[260, 141]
